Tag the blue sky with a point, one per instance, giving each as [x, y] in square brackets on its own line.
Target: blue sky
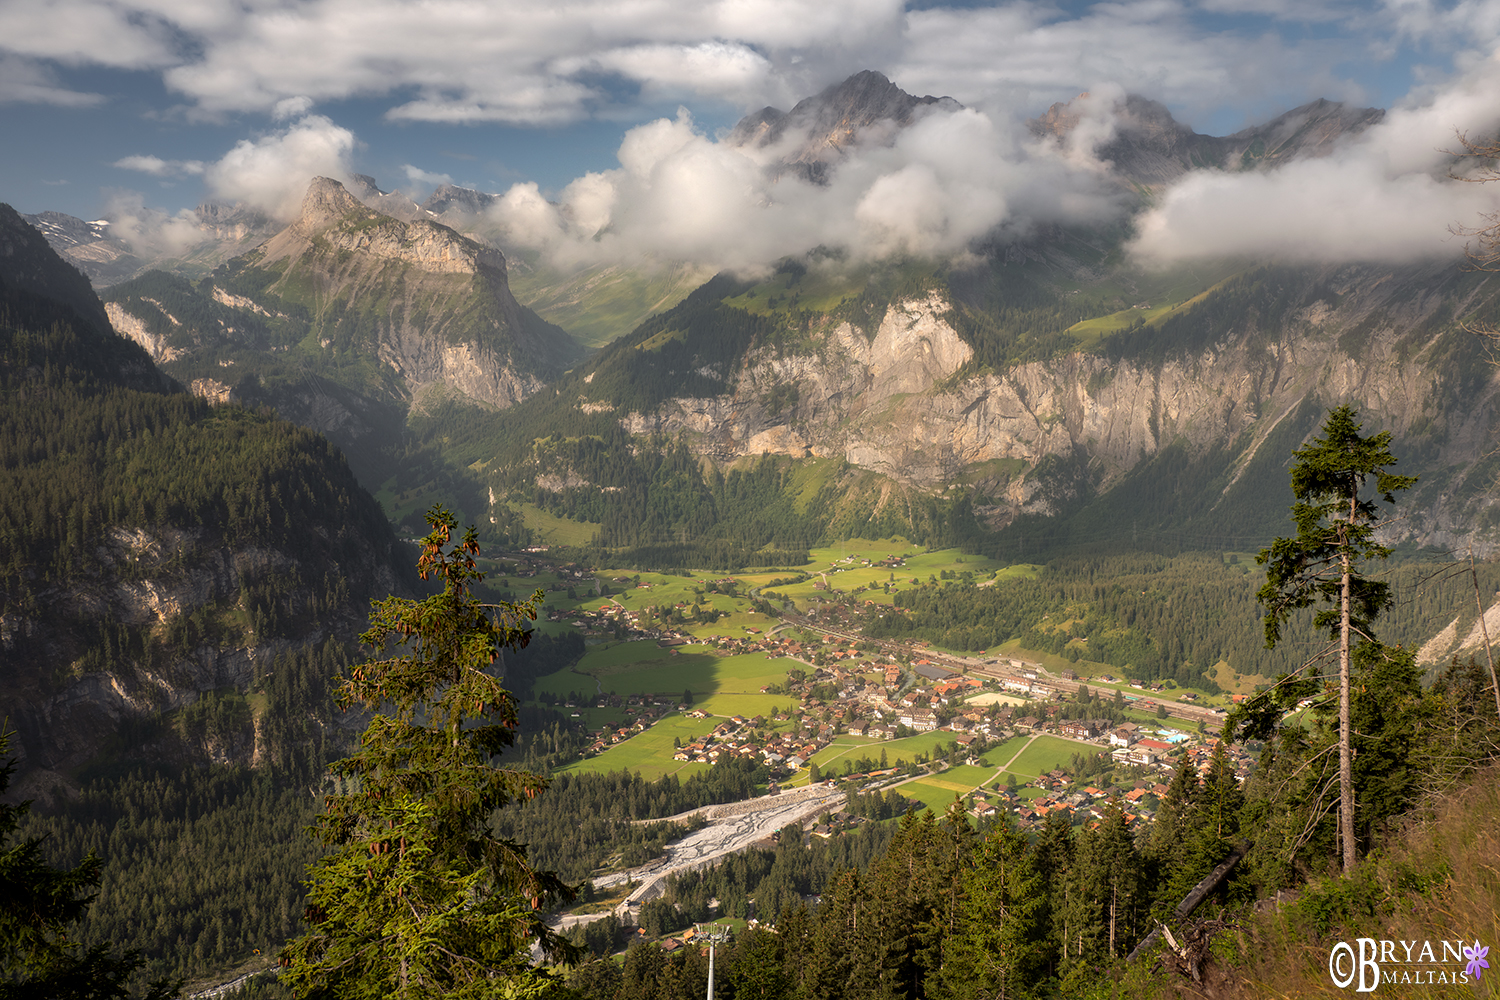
[489, 93]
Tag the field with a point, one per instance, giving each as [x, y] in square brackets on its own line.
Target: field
[843, 567]
[931, 795]
[1045, 754]
[725, 686]
[650, 753]
[1089, 672]
[550, 529]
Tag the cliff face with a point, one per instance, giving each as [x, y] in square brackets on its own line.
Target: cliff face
[908, 403]
[149, 582]
[344, 286]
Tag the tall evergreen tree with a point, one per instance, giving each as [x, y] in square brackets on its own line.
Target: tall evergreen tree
[1000, 950]
[418, 898]
[38, 903]
[1336, 529]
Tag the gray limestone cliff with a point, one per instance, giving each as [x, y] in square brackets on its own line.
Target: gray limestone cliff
[906, 401]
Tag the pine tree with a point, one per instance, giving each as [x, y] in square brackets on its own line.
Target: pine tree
[418, 898]
[37, 905]
[1002, 947]
[1335, 533]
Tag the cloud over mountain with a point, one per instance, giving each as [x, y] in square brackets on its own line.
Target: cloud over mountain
[1383, 195]
[272, 171]
[952, 177]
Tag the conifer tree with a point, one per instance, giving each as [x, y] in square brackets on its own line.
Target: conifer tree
[1336, 529]
[37, 905]
[418, 898]
[1002, 947]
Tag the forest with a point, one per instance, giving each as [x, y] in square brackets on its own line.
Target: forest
[1162, 617]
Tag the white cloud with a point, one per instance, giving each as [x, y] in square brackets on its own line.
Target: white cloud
[150, 232]
[291, 107]
[537, 63]
[24, 81]
[1385, 195]
[157, 167]
[416, 175]
[272, 172]
[946, 181]
[123, 35]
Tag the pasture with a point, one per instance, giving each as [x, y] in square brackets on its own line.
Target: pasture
[720, 685]
[1045, 754]
[649, 753]
[855, 563]
[932, 793]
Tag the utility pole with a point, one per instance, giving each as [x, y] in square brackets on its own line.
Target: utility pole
[716, 935]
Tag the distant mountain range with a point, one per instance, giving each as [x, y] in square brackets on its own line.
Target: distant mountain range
[1152, 148]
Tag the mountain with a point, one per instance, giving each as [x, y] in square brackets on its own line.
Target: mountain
[88, 246]
[351, 323]
[28, 268]
[1149, 147]
[392, 203]
[970, 405]
[818, 129]
[159, 556]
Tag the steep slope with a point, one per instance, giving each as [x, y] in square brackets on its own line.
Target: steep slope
[1177, 426]
[350, 322]
[153, 548]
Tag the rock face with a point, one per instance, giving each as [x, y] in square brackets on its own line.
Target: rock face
[906, 403]
[432, 305]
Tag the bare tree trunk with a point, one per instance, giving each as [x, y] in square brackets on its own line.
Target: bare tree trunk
[1489, 654]
[1346, 765]
[1113, 896]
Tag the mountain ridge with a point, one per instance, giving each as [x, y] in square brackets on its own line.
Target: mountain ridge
[154, 549]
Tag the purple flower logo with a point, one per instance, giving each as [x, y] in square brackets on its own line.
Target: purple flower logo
[1476, 956]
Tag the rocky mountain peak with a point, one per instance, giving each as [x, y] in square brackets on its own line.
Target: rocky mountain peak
[1151, 147]
[233, 221]
[392, 203]
[832, 121]
[330, 213]
[452, 198]
[1312, 130]
[328, 202]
